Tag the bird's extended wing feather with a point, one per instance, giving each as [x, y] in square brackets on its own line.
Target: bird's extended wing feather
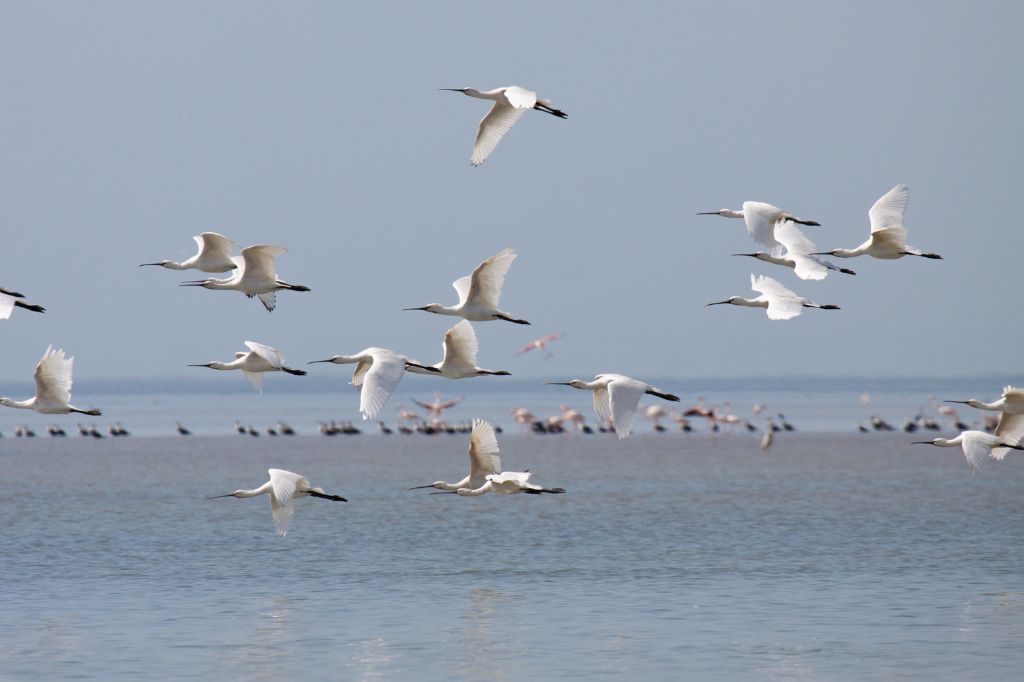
[1010, 429]
[798, 246]
[6, 306]
[624, 396]
[783, 304]
[53, 377]
[493, 126]
[273, 356]
[460, 346]
[602, 408]
[1014, 399]
[976, 447]
[461, 286]
[214, 245]
[259, 261]
[760, 220]
[380, 382]
[489, 277]
[889, 209]
[284, 484]
[255, 378]
[520, 98]
[484, 458]
[269, 300]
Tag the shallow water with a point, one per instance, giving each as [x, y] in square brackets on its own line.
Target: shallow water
[830, 556]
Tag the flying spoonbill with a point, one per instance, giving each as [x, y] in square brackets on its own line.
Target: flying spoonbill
[377, 375]
[782, 304]
[888, 238]
[978, 444]
[259, 359]
[283, 487]
[480, 291]
[761, 219]
[214, 255]
[484, 459]
[255, 275]
[541, 343]
[1012, 401]
[53, 387]
[617, 397]
[798, 254]
[510, 103]
[9, 300]
[459, 362]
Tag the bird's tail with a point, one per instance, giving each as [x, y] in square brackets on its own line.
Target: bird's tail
[325, 496]
[296, 372]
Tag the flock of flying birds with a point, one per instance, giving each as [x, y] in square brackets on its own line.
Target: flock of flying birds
[616, 397]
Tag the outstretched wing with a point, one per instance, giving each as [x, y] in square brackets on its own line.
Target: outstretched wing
[273, 356]
[284, 484]
[489, 277]
[798, 248]
[484, 458]
[602, 407]
[783, 304]
[1014, 398]
[256, 379]
[6, 305]
[1010, 429]
[624, 395]
[760, 219]
[214, 246]
[53, 378]
[889, 209]
[380, 381]
[493, 126]
[259, 261]
[976, 447]
[460, 346]
[462, 285]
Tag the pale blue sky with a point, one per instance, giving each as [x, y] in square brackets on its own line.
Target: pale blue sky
[129, 127]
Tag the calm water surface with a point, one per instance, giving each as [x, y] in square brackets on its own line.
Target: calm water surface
[829, 557]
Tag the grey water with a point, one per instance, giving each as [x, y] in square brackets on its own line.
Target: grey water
[672, 556]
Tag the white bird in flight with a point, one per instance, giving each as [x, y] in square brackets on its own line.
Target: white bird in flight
[510, 104]
[484, 460]
[1011, 401]
[541, 343]
[377, 375]
[798, 254]
[782, 304]
[283, 487]
[485, 475]
[9, 300]
[761, 219]
[459, 362]
[253, 364]
[888, 238]
[53, 387]
[255, 275]
[480, 292]
[214, 255]
[977, 444]
[617, 397]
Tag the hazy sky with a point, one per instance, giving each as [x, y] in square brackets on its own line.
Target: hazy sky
[129, 127]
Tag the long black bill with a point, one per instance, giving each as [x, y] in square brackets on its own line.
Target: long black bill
[420, 308]
[420, 487]
[715, 303]
[219, 496]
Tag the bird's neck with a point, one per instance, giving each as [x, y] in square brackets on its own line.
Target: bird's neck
[950, 443]
[977, 404]
[750, 302]
[445, 485]
[475, 492]
[171, 265]
[445, 310]
[21, 404]
[847, 253]
[262, 490]
[727, 213]
[768, 258]
[225, 365]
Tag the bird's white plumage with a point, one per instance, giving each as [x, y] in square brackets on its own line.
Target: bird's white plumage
[284, 485]
[493, 126]
[460, 347]
[377, 374]
[783, 304]
[624, 396]
[1010, 429]
[272, 356]
[53, 378]
[798, 250]
[1013, 399]
[602, 404]
[484, 457]
[259, 266]
[760, 219]
[488, 278]
[214, 252]
[6, 306]
[888, 211]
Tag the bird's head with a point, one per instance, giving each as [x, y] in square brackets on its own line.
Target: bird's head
[205, 364]
[430, 308]
[464, 91]
[162, 263]
[934, 441]
[732, 300]
[197, 283]
[7, 402]
[721, 211]
[838, 253]
[757, 254]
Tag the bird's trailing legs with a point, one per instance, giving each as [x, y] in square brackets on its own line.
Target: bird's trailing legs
[554, 112]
